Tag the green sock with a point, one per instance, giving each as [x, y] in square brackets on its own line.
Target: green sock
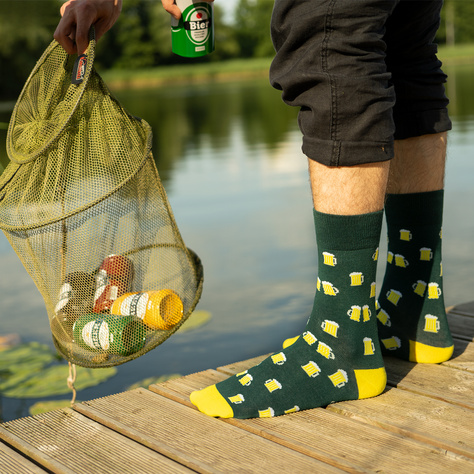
[338, 356]
[412, 318]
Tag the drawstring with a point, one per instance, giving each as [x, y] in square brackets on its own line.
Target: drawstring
[70, 381]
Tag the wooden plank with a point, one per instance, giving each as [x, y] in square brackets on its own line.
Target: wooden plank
[464, 308]
[436, 381]
[463, 357]
[64, 441]
[215, 446]
[179, 392]
[346, 443]
[37, 453]
[13, 462]
[461, 325]
[434, 422]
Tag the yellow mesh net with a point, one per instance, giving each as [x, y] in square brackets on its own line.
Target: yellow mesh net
[82, 204]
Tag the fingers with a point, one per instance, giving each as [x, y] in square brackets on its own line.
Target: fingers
[72, 32]
[171, 8]
[65, 35]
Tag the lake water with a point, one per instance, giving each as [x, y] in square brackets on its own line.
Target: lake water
[229, 157]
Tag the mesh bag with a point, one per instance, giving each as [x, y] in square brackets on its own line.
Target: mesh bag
[82, 204]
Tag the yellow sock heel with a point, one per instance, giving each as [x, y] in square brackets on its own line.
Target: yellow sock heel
[425, 354]
[210, 402]
[290, 341]
[371, 382]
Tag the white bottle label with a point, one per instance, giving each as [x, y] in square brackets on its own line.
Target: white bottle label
[96, 334]
[65, 294]
[134, 305]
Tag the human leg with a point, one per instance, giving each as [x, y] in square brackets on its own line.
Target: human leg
[337, 357]
[412, 318]
[345, 115]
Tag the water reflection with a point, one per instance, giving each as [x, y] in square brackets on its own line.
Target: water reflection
[205, 115]
[229, 156]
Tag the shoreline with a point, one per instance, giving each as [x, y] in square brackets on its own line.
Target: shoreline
[236, 70]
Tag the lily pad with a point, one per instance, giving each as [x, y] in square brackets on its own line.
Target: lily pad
[52, 381]
[196, 320]
[33, 370]
[153, 380]
[26, 357]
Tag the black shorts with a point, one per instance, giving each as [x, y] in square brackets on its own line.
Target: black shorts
[363, 72]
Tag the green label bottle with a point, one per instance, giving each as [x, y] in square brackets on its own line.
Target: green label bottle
[110, 334]
[192, 35]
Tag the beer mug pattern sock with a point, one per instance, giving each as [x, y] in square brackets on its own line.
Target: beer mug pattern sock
[338, 356]
[412, 317]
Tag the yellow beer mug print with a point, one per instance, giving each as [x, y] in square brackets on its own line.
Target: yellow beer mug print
[329, 289]
[392, 343]
[330, 327]
[419, 287]
[339, 378]
[309, 337]
[390, 257]
[384, 318]
[366, 313]
[279, 359]
[375, 256]
[373, 289]
[239, 398]
[426, 254]
[268, 413]
[355, 313]
[394, 296]
[241, 373]
[329, 259]
[246, 380]
[431, 324]
[434, 291]
[292, 410]
[401, 261]
[272, 385]
[405, 235]
[311, 368]
[369, 346]
[356, 278]
[325, 350]
[318, 284]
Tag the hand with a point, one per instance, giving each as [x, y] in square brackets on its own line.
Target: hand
[77, 17]
[171, 7]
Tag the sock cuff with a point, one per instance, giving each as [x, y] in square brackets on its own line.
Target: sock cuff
[417, 208]
[355, 232]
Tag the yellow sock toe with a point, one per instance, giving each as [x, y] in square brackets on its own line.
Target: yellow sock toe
[429, 354]
[210, 402]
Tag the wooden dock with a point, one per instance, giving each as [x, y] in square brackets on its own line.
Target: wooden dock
[423, 422]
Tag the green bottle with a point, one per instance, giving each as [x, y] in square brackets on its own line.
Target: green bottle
[192, 35]
[110, 334]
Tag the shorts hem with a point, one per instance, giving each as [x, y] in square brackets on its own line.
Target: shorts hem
[426, 122]
[346, 153]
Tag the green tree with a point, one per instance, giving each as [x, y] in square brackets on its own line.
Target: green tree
[26, 28]
[457, 18]
[252, 27]
[141, 38]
